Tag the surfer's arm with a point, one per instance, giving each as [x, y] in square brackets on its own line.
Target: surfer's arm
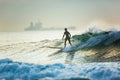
[70, 35]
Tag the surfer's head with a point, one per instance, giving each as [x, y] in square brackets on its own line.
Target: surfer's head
[65, 29]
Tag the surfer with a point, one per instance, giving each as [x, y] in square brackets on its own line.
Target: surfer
[67, 37]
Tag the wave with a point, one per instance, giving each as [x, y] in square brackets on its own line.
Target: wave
[104, 45]
[10, 70]
[96, 39]
[92, 46]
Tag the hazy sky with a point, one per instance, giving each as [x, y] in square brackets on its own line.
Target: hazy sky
[15, 15]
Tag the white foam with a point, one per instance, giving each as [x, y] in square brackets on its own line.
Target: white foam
[10, 70]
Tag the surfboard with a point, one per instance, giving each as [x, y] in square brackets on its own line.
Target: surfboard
[69, 49]
[54, 47]
[66, 49]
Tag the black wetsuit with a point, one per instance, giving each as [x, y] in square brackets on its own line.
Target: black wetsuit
[67, 34]
[67, 37]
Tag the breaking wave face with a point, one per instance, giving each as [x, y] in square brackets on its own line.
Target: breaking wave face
[90, 39]
[10, 70]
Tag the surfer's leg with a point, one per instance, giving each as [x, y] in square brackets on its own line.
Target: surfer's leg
[65, 42]
[69, 41]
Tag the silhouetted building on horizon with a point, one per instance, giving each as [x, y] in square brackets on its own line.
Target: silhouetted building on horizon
[38, 26]
[34, 26]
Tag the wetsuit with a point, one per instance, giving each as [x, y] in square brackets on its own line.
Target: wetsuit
[67, 37]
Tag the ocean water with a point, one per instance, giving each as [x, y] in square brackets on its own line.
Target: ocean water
[34, 56]
[24, 46]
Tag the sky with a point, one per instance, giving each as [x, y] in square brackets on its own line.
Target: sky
[16, 15]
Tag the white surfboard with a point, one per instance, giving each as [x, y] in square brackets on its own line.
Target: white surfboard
[69, 49]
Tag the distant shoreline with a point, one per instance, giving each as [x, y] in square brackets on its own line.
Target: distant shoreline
[28, 29]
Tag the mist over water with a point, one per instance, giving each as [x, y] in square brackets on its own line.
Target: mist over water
[32, 36]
